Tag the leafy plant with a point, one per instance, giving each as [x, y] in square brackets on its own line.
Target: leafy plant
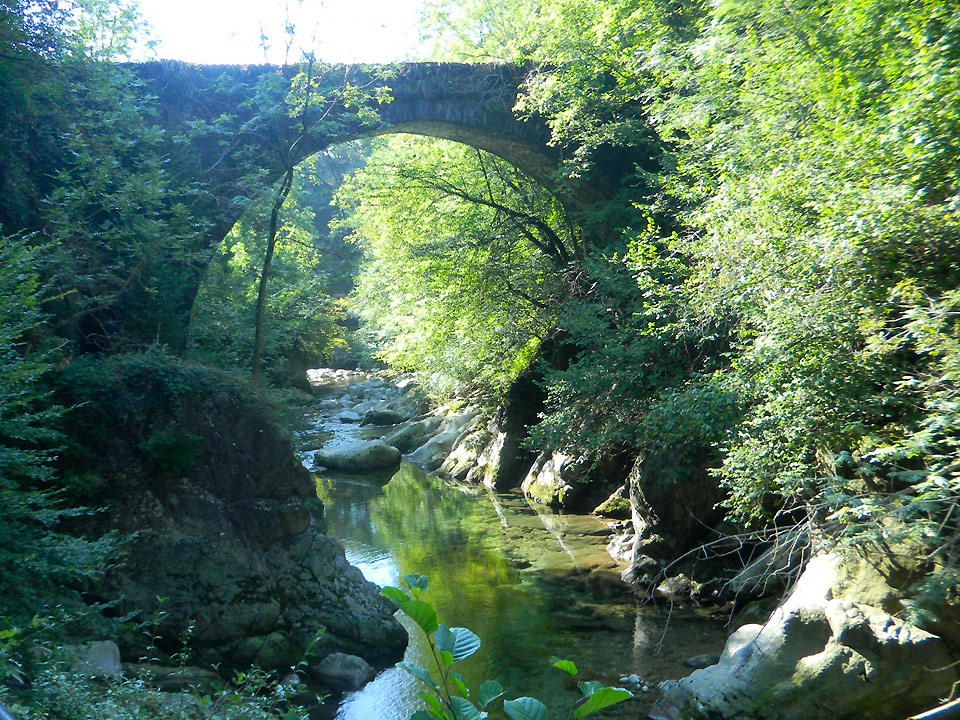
[449, 698]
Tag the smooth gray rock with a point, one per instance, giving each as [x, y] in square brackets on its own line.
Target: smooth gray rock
[432, 453]
[359, 456]
[465, 453]
[702, 661]
[548, 480]
[96, 659]
[822, 653]
[342, 671]
[383, 416]
[410, 437]
[169, 678]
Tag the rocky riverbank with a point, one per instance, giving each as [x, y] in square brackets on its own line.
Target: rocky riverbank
[225, 547]
[835, 646]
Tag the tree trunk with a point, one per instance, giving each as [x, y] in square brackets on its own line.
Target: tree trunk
[282, 193]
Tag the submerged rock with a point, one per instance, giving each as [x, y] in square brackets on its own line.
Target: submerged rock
[359, 456]
[829, 650]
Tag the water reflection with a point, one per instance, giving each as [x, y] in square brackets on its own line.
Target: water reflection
[527, 581]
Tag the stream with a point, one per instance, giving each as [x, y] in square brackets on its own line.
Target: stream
[531, 582]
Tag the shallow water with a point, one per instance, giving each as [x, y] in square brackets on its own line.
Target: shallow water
[530, 582]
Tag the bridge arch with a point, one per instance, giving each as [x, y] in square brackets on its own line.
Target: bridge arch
[227, 123]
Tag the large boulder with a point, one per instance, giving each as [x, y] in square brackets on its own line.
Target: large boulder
[384, 416]
[504, 462]
[549, 480]
[832, 649]
[359, 456]
[96, 659]
[225, 533]
[410, 437]
[433, 452]
[465, 453]
[674, 500]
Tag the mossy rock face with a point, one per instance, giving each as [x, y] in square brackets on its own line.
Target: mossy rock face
[616, 507]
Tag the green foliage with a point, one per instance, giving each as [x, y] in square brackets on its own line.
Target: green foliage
[60, 692]
[172, 449]
[644, 373]
[450, 698]
[302, 320]
[38, 560]
[464, 258]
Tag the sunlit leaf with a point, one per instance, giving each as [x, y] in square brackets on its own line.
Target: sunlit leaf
[396, 594]
[601, 698]
[422, 613]
[460, 642]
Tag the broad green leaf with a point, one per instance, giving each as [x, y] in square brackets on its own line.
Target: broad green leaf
[459, 642]
[447, 658]
[461, 684]
[396, 594]
[566, 665]
[525, 708]
[463, 709]
[421, 613]
[420, 674]
[489, 692]
[421, 715]
[601, 698]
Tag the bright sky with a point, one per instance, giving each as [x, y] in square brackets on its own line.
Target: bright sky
[228, 31]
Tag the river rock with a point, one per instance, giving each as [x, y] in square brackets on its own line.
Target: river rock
[702, 661]
[342, 672]
[412, 436]
[348, 416]
[616, 506]
[96, 659]
[674, 506]
[172, 678]
[829, 650]
[465, 453]
[432, 453]
[620, 545]
[547, 480]
[383, 416]
[359, 456]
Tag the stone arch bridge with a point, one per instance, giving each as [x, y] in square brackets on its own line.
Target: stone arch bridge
[227, 124]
